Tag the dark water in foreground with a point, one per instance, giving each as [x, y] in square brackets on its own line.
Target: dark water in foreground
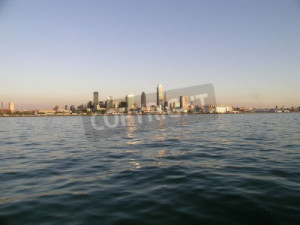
[238, 169]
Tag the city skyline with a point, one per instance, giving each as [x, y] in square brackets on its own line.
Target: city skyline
[161, 100]
[198, 100]
[50, 55]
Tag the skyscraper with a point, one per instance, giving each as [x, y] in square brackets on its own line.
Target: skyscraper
[165, 100]
[184, 102]
[96, 99]
[11, 107]
[143, 99]
[130, 101]
[109, 102]
[159, 96]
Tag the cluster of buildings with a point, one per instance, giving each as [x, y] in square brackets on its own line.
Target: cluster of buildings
[161, 104]
[183, 104]
[130, 106]
[10, 109]
[143, 104]
[58, 111]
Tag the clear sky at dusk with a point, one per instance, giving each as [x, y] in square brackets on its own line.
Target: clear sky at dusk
[60, 51]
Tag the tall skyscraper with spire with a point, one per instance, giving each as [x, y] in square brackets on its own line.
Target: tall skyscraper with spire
[159, 96]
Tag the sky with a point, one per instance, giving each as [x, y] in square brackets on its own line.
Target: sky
[59, 52]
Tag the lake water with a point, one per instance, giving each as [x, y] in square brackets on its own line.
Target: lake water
[234, 169]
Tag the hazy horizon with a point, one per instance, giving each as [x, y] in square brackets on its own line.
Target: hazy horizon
[60, 52]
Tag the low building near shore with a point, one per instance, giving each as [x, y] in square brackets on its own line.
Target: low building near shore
[224, 109]
[46, 111]
[63, 111]
[209, 109]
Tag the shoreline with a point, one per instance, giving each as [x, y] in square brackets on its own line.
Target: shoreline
[146, 114]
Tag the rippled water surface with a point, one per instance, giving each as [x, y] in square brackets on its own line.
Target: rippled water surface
[235, 169]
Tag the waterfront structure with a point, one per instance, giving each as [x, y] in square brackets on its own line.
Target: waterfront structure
[224, 109]
[96, 99]
[184, 102]
[63, 111]
[209, 109]
[11, 106]
[130, 101]
[143, 100]
[49, 112]
[159, 96]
